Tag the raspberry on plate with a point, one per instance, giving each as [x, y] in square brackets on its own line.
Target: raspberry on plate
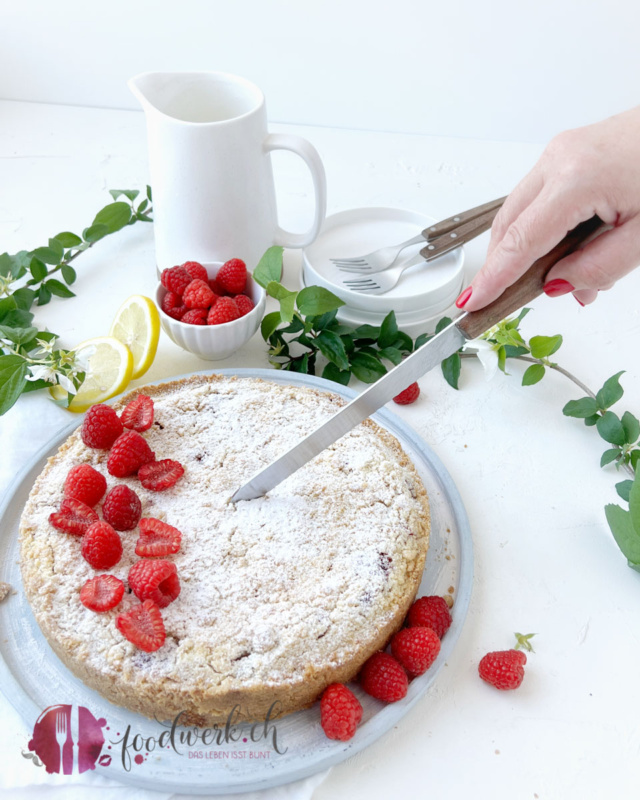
[101, 546]
[415, 649]
[408, 396]
[225, 310]
[196, 316]
[138, 414]
[503, 669]
[143, 626]
[102, 593]
[244, 304]
[175, 279]
[196, 270]
[73, 517]
[173, 306]
[101, 426]
[157, 538]
[160, 475]
[340, 712]
[198, 295]
[122, 508]
[384, 678]
[430, 612]
[232, 276]
[155, 580]
[129, 452]
[86, 484]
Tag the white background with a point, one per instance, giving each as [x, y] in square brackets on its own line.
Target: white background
[493, 69]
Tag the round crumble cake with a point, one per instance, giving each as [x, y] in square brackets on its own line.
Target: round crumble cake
[280, 596]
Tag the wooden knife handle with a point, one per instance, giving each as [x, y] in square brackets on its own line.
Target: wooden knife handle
[527, 287]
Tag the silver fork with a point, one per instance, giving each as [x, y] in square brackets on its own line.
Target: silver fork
[61, 735]
[385, 257]
[381, 282]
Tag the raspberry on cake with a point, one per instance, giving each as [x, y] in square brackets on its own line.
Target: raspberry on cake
[86, 484]
[158, 476]
[122, 508]
[101, 427]
[155, 580]
[129, 452]
[73, 517]
[101, 546]
[102, 593]
[138, 414]
[157, 538]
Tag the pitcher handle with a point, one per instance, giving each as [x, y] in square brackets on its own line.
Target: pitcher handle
[306, 151]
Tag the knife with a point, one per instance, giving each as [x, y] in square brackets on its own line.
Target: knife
[75, 739]
[468, 326]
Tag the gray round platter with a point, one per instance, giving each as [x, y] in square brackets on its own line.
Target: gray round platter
[33, 678]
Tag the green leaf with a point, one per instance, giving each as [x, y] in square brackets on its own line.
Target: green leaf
[634, 504]
[299, 364]
[624, 532]
[371, 332]
[367, 368]
[142, 207]
[511, 324]
[13, 376]
[610, 428]
[332, 373]
[149, 197]
[68, 239]
[388, 331]
[442, 324]
[32, 386]
[269, 323]
[422, 339]
[24, 298]
[624, 488]
[130, 193]
[18, 318]
[44, 295]
[18, 335]
[323, 321]
[6, 265]
[609, 455]
[451, 369]
[332, 348]
[286, 299]
[631, 427]
[592, 420]
[295, 325]
[7, 304]
[38, 269]
[58, 288]
[115, 216]
[68, 273]
[582, 409]
[403, 342]
[269, 267]
[544, 346]
[392, 354]
[533, 374]
[611, 392]
[635, 458]
[95, 232]
[58, 249]
[316, 300]
[47, 255]
[511, 351]
[502, 359]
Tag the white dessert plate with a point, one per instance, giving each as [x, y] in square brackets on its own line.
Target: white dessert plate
[33, 678]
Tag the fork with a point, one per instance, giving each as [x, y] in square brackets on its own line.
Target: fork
[385, 257]
[61, 736]
[443, 237]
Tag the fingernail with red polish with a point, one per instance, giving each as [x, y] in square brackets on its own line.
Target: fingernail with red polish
[464, 297]
[579, 300]
[557, 288]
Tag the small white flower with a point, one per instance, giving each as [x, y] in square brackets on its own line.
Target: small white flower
[487, 355]
[66, 384]
[81, 360]
[45, 347]
[44, 372]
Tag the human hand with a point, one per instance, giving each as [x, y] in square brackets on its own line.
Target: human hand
[582, 172]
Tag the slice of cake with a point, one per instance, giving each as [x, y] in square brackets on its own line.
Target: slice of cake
[278, 596]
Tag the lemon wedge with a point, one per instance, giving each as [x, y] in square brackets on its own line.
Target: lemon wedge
[137, 325]
[110, 370]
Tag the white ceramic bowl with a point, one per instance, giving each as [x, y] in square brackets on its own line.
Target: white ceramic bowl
[214, 342]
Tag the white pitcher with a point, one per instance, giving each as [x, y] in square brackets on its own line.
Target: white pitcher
[210, 164]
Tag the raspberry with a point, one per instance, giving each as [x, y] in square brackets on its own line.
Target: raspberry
[195, 316]
[74, 517]
[101, 546]
[157, 538]
[138, 414]
[198, 295]
[155, 580]
[383, 677]
[408, 396]
[196, 270]
[175, 279]
[102, 593]
[173, 306]
[503, 669]
[160, 475]
[143, 626]
[122, 508]
[129, 452]
[415, 649]
[232, 276]
[340, 712]
[86, 484]
[100, 427]
[225, 310]
[244, 304]
[430, 612]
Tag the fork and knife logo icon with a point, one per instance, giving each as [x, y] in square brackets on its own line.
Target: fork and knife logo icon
[68, 740]
[63, 731]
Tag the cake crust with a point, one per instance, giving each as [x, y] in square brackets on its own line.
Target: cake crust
[281, 596]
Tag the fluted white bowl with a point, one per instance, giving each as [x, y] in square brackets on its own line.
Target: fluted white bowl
[214, 342]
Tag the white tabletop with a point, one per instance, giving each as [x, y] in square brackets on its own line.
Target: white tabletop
[545, 561]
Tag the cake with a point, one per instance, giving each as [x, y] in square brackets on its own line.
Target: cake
[280, 596]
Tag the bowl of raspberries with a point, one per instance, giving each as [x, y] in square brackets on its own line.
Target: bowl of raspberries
[210, 309]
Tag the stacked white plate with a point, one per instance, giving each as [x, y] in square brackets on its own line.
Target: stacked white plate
[424, 293]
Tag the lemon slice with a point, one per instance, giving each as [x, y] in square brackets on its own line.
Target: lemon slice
[137, 324]
[109, 372]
